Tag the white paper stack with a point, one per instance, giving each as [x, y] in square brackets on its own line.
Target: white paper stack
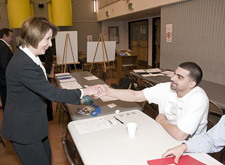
[153, 75]
[91, 78]
[139, 70]
[67, 81]
[96, 124]
[153, 70]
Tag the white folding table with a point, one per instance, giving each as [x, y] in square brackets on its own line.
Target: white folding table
[110, 145]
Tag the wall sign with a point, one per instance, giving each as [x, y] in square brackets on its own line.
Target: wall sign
[169, 30]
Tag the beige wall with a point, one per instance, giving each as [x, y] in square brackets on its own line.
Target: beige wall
[198, 36]
[4, 22]
[121, 7]
[122, 31]
[84, 21]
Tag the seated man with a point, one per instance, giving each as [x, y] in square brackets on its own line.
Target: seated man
[183, 106]
[211, 141]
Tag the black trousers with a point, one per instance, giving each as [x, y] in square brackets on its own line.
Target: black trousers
[38, 153]
[49, 108]
[49, 104]
[3, 96]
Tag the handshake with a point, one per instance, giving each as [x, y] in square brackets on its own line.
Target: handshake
[96, 91]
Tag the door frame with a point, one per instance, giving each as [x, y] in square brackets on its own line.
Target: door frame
[153, 41]
[129, 37]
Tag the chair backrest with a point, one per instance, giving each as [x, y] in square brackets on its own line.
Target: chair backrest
[149, 109]
[80, 66]
[125, 83]
[147, 84]
[103, 76]
[134, 79]
[215, 109]
[215, 113]
[69, 150]
[135, 82]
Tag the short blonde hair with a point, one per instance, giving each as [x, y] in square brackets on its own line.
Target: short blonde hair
[33, 31]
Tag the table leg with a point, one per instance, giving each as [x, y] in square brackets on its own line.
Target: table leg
[1, 140]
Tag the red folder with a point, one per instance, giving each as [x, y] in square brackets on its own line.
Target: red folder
[184, 160]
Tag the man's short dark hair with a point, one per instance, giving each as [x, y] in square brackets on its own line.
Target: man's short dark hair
[195, 71]
[5, 31]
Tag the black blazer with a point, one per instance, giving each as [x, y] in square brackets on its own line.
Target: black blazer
[5, 56]
[25, 118]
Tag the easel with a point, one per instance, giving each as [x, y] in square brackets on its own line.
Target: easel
[65, 54]
[103, 54]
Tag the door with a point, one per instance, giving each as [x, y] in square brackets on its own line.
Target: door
[156, 43]
[138, 40]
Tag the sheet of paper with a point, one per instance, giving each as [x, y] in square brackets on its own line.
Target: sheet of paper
[169, 73]
[107, 98]
[153, 70]
[71, 85]
[146, 75]
[139, 70]
[152, 75]
[159, 74]
[90, 125]
[112, 105]
[91, 78]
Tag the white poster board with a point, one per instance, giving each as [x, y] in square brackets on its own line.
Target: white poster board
[60, 41]
[110, 48]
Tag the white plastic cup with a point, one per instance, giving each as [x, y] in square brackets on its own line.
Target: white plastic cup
[131, 129]
[117, 111]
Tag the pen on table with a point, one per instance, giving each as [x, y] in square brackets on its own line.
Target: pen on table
[110, 122]
[119, 120]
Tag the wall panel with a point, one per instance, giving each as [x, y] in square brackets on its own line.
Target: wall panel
[198, 36]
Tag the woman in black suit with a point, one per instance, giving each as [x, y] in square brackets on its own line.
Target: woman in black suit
[25, 121]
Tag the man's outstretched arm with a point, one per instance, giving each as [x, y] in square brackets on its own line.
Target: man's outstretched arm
[121, 94]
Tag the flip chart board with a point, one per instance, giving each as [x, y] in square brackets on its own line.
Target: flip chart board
[110, 48]
[60, 42]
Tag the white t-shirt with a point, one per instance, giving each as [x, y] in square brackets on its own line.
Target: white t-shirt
[189, 113]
